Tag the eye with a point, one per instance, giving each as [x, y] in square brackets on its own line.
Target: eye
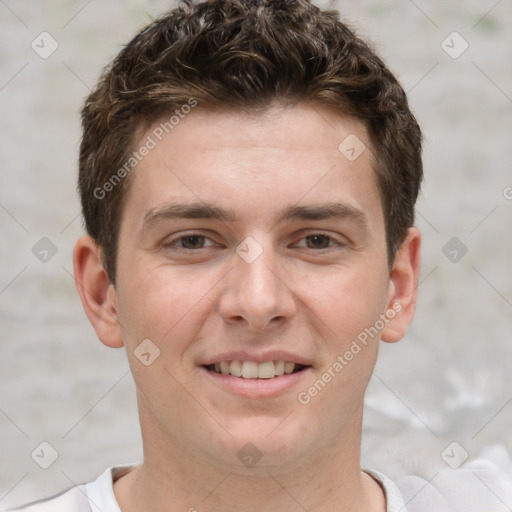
[191, 241]
[318, 241]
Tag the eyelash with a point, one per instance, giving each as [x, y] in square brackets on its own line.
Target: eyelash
[171, 244]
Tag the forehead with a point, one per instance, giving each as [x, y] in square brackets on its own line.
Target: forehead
[256, 163]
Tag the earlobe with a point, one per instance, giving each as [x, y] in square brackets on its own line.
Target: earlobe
[403, 287]
[97, 294]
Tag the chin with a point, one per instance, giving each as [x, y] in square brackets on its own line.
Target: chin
[260, 445]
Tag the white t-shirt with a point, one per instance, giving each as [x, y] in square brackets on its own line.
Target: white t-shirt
[476, 487]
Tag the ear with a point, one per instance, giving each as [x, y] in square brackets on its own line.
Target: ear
[97, 294]
[403, 287]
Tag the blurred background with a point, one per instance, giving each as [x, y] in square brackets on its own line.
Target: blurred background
[448, 381]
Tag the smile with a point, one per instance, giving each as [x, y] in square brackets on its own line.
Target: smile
[254, 370]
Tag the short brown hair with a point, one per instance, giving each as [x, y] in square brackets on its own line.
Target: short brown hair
[243, 54]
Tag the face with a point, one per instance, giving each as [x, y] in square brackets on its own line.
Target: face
[252, 256]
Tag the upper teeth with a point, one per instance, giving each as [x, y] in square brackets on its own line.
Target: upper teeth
[253, 370]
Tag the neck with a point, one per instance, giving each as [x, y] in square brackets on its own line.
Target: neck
[176, 477]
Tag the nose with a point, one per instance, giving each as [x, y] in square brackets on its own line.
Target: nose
[258, 293]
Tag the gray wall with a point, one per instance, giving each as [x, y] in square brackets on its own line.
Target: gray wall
[448, 380]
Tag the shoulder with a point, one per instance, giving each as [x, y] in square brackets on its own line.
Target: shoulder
[71, 500]
[90, 497]
[484, 483]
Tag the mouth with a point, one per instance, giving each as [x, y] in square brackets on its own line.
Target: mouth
[253, 370]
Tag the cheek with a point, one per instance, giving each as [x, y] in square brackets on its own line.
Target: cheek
[350, 307]
[161, 303]
[353, 302]
[170, 313]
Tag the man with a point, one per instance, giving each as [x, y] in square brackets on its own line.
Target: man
[248, 175]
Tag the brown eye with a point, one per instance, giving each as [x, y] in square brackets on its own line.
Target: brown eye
[192, 242]
[318, 241]
[189, 243]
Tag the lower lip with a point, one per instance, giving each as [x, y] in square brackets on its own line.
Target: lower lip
[257, 388]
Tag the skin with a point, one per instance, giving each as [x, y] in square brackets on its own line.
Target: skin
[197, 298]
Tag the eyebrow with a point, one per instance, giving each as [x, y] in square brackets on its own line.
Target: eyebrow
[198, 210]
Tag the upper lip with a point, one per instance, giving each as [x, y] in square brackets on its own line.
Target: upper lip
[258, 357]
